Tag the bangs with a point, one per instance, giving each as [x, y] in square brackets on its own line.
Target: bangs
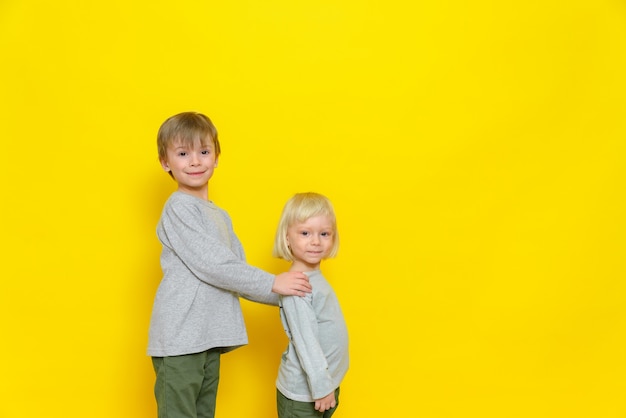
[192, 139]
[308, 206]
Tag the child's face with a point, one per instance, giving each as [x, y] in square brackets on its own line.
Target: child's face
[310, 242]
[191, 166]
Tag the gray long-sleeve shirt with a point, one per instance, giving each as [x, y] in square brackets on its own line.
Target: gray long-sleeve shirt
[316, 359]
[204, 272]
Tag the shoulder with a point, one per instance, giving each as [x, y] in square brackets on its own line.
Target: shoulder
[178, 200]
[180, 207]
[183, 200]
[316, 276]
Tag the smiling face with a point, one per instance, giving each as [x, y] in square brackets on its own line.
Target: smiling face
[310, 242]
[191, 165]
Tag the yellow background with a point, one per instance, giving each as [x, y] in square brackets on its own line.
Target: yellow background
[474, 152]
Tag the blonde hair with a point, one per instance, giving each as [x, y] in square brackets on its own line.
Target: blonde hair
[299, 208]
[188, 128]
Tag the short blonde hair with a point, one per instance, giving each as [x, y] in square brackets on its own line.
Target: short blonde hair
[299, 208]
[188, 128]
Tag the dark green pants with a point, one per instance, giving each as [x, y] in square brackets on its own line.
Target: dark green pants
[288, 408]
[186, 386]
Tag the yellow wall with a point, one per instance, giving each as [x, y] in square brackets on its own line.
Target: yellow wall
[474, 151]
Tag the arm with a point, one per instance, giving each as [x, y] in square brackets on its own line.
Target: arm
[303, 332]
[202, 247]
[291, 283]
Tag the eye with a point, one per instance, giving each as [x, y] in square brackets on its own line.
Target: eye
[206, 152]
[182, 154]
[326, 234]
[304, 233]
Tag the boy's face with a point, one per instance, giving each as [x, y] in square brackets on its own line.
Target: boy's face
[191, 166]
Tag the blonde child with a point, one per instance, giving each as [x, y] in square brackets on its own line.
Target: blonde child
[316, 358]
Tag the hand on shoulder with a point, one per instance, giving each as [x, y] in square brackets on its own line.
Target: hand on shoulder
[291, 283]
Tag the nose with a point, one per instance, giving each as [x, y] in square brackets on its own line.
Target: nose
[194, 159]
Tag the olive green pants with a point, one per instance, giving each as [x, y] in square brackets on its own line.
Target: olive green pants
[186, 386]
[288, 408]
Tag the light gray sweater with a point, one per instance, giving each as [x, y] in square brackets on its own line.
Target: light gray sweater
[204, 272]
[316, 359]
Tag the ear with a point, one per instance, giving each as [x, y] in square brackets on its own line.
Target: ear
[216, 160]
[165, 165]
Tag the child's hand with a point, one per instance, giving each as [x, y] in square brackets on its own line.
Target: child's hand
[291, 283]
[326, 402]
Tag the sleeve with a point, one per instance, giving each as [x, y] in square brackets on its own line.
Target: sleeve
[303, 332]
[197, 244]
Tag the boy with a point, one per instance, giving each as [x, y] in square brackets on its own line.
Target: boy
[197, 315]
